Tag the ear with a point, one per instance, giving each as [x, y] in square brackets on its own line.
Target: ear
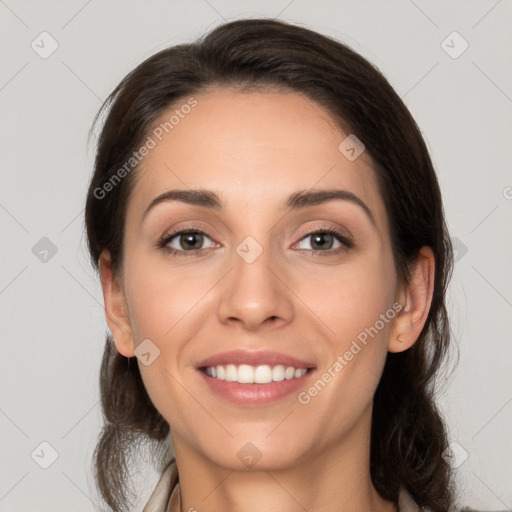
[115, 307]
[415, 297]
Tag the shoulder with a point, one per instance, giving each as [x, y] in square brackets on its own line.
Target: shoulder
[467, 509]
[406, 503]
[161, 495]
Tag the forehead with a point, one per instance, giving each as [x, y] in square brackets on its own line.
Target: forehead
[256, 147]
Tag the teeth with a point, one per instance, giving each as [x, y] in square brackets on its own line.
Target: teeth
[262, 374]
[278, 373]
[246, 374]
[289, 373]
[231, 374]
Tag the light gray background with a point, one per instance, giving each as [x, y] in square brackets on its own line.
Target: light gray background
[52, 321]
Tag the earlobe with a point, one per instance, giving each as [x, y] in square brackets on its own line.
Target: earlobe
[115, 308]
[416, 298]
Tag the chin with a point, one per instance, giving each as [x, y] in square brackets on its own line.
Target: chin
[253, 451]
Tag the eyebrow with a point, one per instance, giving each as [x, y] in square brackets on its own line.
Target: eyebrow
[298, 200]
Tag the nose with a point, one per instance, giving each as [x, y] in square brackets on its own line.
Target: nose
[255, 294]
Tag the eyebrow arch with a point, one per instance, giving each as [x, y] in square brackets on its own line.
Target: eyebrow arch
[298, 200]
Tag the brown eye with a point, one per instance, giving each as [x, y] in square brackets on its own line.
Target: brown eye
[192, 241]
[185, 241]
[323, 242]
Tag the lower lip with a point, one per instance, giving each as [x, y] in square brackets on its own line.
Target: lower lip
[255, 394]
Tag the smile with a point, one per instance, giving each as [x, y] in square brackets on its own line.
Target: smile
[261, 374]
[254, 378]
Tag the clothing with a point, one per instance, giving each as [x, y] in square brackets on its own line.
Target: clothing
[166, 496]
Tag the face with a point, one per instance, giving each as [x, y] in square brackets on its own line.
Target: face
[301, 292]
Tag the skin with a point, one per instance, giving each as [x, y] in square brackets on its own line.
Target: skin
[255, 149]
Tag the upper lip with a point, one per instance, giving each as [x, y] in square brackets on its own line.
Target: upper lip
[254, 358]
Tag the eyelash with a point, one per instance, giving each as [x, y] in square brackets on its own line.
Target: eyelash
[166, 238]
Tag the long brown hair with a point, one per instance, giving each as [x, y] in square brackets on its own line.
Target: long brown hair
[408, 433]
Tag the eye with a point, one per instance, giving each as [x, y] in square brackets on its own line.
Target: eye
[188, 242]
[323, 240]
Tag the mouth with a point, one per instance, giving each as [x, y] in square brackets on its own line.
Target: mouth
[254, 378]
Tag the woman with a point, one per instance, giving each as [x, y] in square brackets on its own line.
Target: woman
[273, 252]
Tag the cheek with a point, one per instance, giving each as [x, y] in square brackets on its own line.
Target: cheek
[162, 299]
[164, 305]
[356, 305]
[353, 298]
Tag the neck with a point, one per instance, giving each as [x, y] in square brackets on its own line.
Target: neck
[334, 480]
